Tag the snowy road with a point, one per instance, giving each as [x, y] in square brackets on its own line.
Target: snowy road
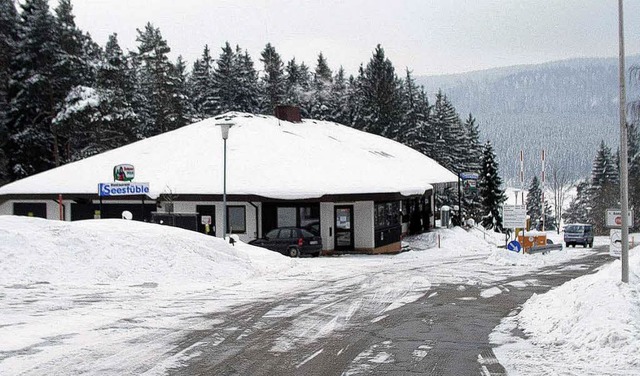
[362, 325]
[330, 315]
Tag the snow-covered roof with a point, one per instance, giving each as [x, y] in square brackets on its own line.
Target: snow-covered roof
[265, 156]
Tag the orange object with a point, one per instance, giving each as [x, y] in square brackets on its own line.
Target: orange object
[531, 239]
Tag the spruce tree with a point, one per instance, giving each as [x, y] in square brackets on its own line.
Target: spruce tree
[273, 81]
[579, 210]
[489, 189]
[298, 86]
[339, 95]
[450, 135]
[157, 77]
[8, 45]
[603, 190]
[202, 90]
[248, 90]
[32, 92]
[534, 201]
[416, 129]
[319, 103]
[379, 92]
[225, 80]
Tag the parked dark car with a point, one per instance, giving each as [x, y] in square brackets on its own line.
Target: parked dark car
[290, 241]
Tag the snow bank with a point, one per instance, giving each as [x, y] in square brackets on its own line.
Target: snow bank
[115, 251]
[592, 317]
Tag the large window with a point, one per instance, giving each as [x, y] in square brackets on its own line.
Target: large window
[236, 220]
[387, 214]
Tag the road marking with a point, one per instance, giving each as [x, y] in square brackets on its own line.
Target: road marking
[309, 358]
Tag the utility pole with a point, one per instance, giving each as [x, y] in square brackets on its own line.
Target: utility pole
[624, 170]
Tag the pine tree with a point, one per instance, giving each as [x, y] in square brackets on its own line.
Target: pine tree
[579, 210]
[32, 94]
[298, 86]
[450, 135]
[248, 91]
[202, 90]
[225, 80]
[157, 77]
[8, 45]
[473, 148]
[273, 81]
[416, 129]
[491, 195]
[379, 91]
[181, 104]
[534, 201]
[634, 170]
[339, 95]
[603, 190]
[319, 103]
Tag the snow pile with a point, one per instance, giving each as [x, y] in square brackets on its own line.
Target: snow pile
[455, 241]
[592, 317]
[123, 252]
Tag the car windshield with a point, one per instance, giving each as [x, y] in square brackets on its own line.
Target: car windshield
[574, 229]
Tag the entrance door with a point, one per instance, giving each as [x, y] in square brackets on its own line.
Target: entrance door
[344, 228]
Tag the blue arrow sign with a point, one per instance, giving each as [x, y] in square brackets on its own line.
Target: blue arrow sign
[514, 246]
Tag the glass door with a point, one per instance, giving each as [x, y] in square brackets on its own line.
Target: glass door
[344, 228]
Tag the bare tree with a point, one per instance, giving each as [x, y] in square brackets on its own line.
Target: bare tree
[560, 185]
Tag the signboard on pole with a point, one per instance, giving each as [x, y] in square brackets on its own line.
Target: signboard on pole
[514, 246]
[615, 246]
[469, 182]
[514, 216]
[614, 218]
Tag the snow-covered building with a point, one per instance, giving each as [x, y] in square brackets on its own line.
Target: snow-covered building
[359, 190]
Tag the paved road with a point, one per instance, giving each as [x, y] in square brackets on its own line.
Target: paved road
[445, 332]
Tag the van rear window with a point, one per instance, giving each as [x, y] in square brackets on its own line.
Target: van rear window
[574, 229]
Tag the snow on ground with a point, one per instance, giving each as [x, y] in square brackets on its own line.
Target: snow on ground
[115, 296]
[588, 326]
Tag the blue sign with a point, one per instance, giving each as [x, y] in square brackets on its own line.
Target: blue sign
[514, 246]
[122, 189]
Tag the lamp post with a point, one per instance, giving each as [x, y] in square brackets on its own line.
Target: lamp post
[624, 172]
[224, 127]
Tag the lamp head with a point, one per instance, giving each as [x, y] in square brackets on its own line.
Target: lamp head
[224, 127]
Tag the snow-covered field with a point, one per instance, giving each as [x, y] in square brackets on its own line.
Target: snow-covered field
[114, 296]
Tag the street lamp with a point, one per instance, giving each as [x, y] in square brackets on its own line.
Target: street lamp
[224, 127]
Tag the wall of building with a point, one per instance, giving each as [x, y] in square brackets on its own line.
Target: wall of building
[363, 226]
[53, 209]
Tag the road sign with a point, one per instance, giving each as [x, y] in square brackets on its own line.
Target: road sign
[614, 218]
[615, 246]
[514, 246]
[514, 216]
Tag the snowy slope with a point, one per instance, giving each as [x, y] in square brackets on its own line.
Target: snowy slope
[266, 157]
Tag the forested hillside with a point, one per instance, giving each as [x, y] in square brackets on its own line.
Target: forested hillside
[566, 107]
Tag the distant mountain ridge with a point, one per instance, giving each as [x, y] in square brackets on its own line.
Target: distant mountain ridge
[566, 107]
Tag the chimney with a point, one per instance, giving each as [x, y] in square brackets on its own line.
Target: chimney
[288, 113]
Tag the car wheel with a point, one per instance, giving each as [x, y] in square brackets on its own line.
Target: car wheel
[591, 245]
[293, 252]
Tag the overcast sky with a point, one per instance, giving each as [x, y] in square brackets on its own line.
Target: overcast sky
[428, 36]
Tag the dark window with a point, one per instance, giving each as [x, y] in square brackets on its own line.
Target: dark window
[272, 234]
[236, 220]
[30, 209]
[306, 234]
[387, 214]
[286, 234]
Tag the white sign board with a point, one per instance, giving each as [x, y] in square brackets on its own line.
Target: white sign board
[206, 220]
[615, 247]
[514, 216]
[614, 218]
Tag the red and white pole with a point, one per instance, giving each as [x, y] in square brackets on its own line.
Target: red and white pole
[522, 175]
[542, 189]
